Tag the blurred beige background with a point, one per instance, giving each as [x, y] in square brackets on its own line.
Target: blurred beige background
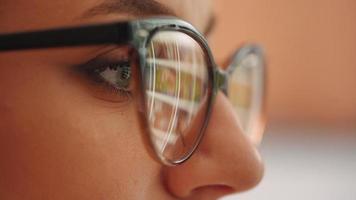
[310, 142]
[311, 53]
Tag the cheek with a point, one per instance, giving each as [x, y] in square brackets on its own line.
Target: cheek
[55, 138]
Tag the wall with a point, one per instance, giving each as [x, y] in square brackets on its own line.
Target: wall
[311, 52]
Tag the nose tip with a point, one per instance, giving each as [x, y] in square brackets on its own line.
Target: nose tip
[253, 172]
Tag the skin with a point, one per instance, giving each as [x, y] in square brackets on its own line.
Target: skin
[60, 138]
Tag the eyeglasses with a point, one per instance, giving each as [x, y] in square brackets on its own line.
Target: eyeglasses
[178, 78]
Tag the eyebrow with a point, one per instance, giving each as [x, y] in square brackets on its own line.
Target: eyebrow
[210, 26]
[139, 8]
[132, 7]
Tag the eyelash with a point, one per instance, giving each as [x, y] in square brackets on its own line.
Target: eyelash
[95, 68]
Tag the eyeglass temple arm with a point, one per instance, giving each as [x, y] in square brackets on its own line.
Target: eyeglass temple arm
[118, 33]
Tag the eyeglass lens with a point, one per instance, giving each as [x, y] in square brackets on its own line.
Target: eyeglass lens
[177, 85]
[245, 91]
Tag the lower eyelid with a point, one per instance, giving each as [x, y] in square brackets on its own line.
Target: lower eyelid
[107, 92]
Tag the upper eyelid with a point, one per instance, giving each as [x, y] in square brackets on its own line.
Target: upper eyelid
[107, 50]
[103, 62]
[105, 56]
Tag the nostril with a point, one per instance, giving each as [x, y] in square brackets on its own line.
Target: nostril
[212, 191]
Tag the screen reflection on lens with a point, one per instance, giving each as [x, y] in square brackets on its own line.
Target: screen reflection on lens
[176, 83]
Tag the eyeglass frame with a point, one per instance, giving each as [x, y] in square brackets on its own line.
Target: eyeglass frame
[138, 34]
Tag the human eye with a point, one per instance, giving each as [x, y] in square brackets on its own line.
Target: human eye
[110, 76]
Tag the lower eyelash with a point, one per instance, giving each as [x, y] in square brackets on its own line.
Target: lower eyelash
[110, 93]
[115, 90]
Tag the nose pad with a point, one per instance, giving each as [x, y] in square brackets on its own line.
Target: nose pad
[221, 80]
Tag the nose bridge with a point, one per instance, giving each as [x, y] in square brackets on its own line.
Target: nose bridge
[226, 143]
[220, 80]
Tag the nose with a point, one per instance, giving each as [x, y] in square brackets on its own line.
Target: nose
[225, 162]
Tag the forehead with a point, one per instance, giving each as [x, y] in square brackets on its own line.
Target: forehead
[18, 15]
